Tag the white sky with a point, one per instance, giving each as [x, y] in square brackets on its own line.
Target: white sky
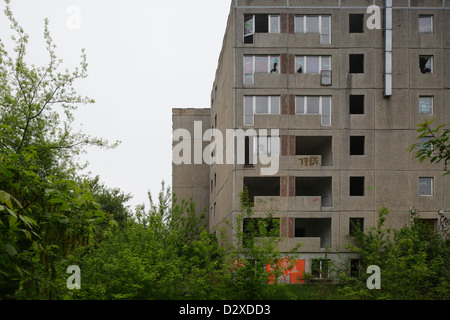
[145, 58]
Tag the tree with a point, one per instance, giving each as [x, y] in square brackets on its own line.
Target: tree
[414, 262]
[46, 210]
[433, 144]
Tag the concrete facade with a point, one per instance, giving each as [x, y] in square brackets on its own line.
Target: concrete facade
[338, 165]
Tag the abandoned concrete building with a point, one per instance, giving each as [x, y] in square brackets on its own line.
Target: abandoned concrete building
[345, 85]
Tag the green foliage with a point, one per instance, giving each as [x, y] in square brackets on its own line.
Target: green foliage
[46, 210]
[437, 147]
[414, 262]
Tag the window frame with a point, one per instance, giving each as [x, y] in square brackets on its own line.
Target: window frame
[422, 16]
[305, 108]
[431, 179]
[270, 59]
[320, 26]
[304, 65]
[270, 107]
[432, 105]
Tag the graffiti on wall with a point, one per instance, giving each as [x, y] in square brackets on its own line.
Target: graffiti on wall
[309, 161]
[293, 271]
[444, 227]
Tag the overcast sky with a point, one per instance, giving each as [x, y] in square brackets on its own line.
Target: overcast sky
[145, 58]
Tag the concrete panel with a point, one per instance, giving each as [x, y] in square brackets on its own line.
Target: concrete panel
[427, 203]
[390, 156]
[420, 40]
[390, 113]
[392, 190]
[400, 28]
[358, 203]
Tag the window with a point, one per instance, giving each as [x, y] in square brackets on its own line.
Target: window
[356, 23]
[315, 187]
[259, 227]
[425, 144]
[356, 63]
[262, 145]
[357, 145]
[319, 105]
[314, 24]
[356, 186]
[426, 24]
[314, 228]
[260, 105]
[262, 187]
[355, 268]
[312, 64]
[356, 104]
[356, 225]
[260, 23]
[426, 64]
[320, 268]
[425, 186]
[259, 64]
[425, 105]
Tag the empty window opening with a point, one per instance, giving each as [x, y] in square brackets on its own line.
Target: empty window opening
[259, 228]
[356, 104]
[355, 268]
[356, 186]
[314, 228]
[426, 64]
[320, 268]
[426, 24]
[356, 23]
[357, 145]
[260, 145]
[262, 187]
[425, 186]
[356, 225]
[430, 225]
[356, 63]
[315, 146]
[315, 187]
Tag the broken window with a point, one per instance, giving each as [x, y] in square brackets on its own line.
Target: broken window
[430, 225]
[356, 104]
[314, 228]
[312, 64]
[312, 146]
[315, 187]
[259, 64]
[260, 23]
[260, 105]
[356, 225]
[356, 63]
[425, 186]
[314, 24]
[426, 64]
[425, 105]
[425, 24]
[356, 186]
[357, 145]
[356, 23]
[314, 105]
[262, 187]
[320, 268]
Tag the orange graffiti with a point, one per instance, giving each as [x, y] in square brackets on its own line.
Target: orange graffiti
[293, 271]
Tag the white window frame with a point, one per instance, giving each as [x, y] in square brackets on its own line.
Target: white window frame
[305, 63]
[268, 70]
[431, 186]
[320, 26]
[305, 108]
[432, 105]
[270, 23]
[254, 107]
